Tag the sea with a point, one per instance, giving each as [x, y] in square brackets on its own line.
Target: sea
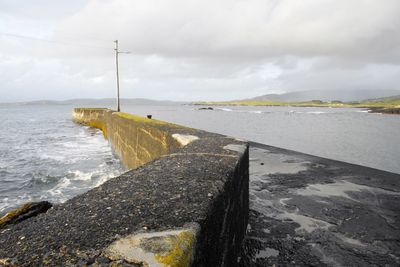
[45, 156]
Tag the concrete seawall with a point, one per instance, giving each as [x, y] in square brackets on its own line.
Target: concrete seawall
[136, 140]
[183, 203]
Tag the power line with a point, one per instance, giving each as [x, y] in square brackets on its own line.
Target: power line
[50, 41]
[85, 36]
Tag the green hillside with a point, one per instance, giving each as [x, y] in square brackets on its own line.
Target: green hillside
[386, 102]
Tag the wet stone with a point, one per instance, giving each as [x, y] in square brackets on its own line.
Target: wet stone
[310, 211]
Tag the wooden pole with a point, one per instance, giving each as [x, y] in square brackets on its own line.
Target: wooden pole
[116, 64]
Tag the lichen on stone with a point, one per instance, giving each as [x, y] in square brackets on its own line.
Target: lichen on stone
[181, 252]
[13, 213]
[167, 248]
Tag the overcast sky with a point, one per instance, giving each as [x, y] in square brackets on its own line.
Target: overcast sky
[196, 50]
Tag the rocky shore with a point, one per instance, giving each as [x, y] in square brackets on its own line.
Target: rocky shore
[385, 110]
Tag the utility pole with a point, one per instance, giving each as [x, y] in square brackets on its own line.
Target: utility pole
[117, 52]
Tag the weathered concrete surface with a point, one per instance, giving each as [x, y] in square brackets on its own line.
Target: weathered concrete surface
[188, 207]
[310, 211]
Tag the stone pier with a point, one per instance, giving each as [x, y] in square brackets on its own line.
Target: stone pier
[184, 202]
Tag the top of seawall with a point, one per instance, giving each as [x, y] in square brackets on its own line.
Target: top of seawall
[138, 140]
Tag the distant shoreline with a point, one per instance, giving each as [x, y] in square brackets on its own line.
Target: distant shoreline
[372, 107]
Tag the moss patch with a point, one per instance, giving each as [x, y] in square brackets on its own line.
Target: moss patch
[182, 250]
[14, 213]
[143, 119]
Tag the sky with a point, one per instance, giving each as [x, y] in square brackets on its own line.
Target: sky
[189, 50]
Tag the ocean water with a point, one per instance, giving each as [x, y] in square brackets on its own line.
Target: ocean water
[345, 134]
[45, 156]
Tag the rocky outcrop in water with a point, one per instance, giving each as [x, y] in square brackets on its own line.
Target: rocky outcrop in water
[385, 110]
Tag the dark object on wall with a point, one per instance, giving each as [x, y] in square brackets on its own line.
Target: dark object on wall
[24, 212]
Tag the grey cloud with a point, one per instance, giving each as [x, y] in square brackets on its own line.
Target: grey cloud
[367, 77]
[365, 30]
[192, 50]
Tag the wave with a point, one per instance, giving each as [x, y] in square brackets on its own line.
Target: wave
[224, 109]
[59, 188]
[104, 179]
[8, 203]
[4, 172]
[316, 112]
[52, 157]
[308, 112]
[39, 178]
[240, 111]
[81, 176]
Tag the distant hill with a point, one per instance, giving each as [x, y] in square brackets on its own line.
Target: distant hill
[328, 95]
[395, 98]
[104, 102]
[124, 101]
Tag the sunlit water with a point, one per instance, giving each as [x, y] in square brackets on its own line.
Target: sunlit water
[345, 134]
[45, 156]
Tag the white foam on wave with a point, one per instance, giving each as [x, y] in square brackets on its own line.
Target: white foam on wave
[104, 178]
[240, 111]
[59, 188]
[307, 112]
[71, 145]
[79, 181]
[8, 202]
[52, 156]
[56, 161]
[106, 174]
[224, 109]
[4, 204]
[316, 112]
[81, 176]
